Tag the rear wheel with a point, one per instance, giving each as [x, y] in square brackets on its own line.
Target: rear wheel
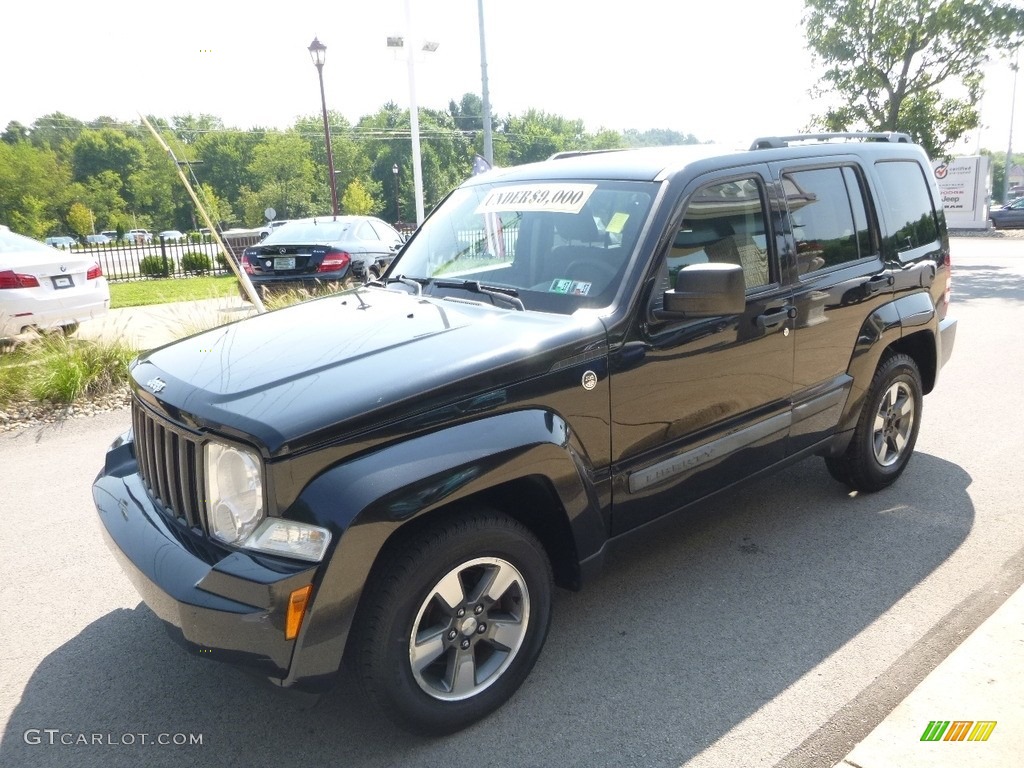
[886, 432]
[453, 622]
[69, 328]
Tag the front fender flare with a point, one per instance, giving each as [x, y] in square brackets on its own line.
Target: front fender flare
[366, 500]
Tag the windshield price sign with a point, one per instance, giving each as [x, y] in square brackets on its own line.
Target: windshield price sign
[556, 198]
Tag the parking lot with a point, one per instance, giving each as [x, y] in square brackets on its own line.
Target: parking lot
[775, 625]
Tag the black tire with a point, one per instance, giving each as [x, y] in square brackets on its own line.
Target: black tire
[498, 575]
[69, 329]
[886, 431]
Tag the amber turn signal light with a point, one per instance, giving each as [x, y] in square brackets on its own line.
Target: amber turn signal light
[297, 602]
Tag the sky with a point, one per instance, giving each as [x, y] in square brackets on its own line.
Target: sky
[724, 71]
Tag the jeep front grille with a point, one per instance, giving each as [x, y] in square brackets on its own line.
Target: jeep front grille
[170, 463]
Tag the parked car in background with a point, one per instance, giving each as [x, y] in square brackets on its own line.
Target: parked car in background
[42, 287]
[1010, 216]
[171, 235]
[110, 233]
[61, 241]
[138, 236]
[308, 251]
[100, 239]
[270, 226]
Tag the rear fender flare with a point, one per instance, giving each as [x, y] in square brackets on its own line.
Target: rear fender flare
[883, 328]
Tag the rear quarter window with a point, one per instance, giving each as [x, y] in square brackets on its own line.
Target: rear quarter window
[907, 205]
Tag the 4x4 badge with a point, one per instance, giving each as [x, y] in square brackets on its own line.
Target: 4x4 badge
[157, 385]
[589, 380]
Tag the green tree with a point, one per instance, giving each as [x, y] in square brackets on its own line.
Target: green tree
[357, 201]
[907, 65]
[350, 158]
[107, 149]
[14, 133]
[283, 171]
[33, 183]
[80, 220]
[657, 137]
[32, 218]
[188, 128]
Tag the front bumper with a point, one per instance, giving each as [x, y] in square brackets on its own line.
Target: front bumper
[217, 603]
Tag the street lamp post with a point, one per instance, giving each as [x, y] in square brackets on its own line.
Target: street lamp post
[318, 52]
[398, 207]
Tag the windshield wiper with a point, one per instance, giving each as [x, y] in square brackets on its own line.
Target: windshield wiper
[415, 283]
[511, 295]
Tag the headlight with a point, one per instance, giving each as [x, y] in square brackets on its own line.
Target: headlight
[291, 539]
[234, 492]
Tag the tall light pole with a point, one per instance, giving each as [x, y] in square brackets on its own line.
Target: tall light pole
[414, 115]
[398, 207]
[1009, 147]
[318, 52]
[488, 142]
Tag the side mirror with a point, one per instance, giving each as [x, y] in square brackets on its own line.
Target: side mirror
[705, 290]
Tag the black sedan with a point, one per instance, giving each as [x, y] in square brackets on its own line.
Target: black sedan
[1009, 216]
[306, 252]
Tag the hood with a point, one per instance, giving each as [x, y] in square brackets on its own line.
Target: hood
[312, 372]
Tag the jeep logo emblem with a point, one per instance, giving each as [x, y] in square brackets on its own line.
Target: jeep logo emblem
[589, 380]
[156, 385]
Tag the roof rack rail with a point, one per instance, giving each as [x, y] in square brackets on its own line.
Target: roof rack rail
[777, 142]
[577, 152]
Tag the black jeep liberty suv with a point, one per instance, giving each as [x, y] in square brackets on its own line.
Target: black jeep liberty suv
[395, 476]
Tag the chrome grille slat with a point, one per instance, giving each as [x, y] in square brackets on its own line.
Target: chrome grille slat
[168, 463]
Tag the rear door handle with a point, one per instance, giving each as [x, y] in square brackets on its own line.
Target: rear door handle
[877, 284]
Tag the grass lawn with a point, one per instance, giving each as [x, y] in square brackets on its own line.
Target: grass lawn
[161, 291]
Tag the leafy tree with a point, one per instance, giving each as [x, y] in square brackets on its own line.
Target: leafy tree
[56, 131]
[283, 171]
[536, 135]
[32, 218]
[80, 220]
[107, 149]
[14, 133]
[358, 201]
[188, 128]
[224, 160]
[350, 160]
[893, 63]
[657, 137]
[33, 183]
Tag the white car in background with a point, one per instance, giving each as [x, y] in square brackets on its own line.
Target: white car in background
[42, 287]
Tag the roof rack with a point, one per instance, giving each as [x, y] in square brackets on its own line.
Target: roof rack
[777, 142]
[577, 152]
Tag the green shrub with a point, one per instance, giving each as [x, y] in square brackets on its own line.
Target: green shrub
[68, 368]
[152, 266]
[222, 262]
[196, 262]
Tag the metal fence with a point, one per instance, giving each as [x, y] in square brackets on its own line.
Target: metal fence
[166, 258]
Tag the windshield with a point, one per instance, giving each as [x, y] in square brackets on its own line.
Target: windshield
[325, 230]
[558, 246]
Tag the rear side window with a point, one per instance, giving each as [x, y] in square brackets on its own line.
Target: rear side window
[908, 204]
[828, 217]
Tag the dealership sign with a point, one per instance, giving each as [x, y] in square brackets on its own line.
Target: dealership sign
[964, 183]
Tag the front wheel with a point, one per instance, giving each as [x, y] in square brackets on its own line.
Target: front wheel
[453, 622]
[886, 431]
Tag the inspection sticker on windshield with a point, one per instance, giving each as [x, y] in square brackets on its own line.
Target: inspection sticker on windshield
[557, 198]
[571, 287]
